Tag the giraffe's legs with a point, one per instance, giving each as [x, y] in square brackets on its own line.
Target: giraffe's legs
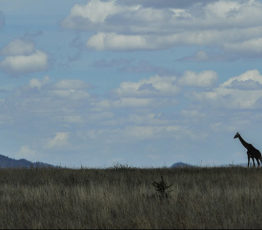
[253, 162]
[248, 160]
[258, 164]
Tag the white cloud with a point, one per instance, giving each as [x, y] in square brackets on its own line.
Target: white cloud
[250, 46]
[193, 114]
[18, 47]
[239, 92]
[203, 79]
[37, 83]
[60, 140]
[232, 98]
[73, 119]
[156, 85]
[150, 92]
[201, 56]
[244, 80]
[20, 64]
[125, 102]
[229, 25]
[62, 102]
[132, 102]
[71, 84]
[112, 41]
[147, 119]
[143, 132]
[137, 132]
[72, 89]
[134, 115]
[222, 9]
[96, 11]
[26, 152]
[21, 56]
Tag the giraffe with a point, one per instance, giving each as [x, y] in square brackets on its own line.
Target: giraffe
[252, 152]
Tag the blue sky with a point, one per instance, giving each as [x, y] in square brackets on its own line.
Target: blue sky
[145, 83]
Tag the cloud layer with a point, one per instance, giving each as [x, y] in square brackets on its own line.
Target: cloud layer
[195, 80]
[233, 26]
[135, 111]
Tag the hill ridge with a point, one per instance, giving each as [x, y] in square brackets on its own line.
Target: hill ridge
[8, 162]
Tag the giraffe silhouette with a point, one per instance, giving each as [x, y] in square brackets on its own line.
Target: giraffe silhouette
[252, 152]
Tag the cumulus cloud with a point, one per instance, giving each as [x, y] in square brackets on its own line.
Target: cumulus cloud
[157, 90]
[131, 65]
[113, 41]
[201, 56]
[156, 85]
[38, 83]
[166, 3]
[60, 140]
[95, 11]
[25, 63]
[72, 89]
[18, 47]
[166, 85]
[203, 79]
[73, 119]
[21, 57]
[223, 9]
[149, 118]
[198, 56]
[46, 101]
[140, 25]
[251, 79]
[125, 102]
[249, 47]
[151, 132]
[239, 92]
[140, 132]
[201, 37]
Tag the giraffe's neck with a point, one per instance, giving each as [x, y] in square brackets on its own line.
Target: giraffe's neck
[243, 142]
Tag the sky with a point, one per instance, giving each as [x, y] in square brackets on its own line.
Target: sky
[145, 83]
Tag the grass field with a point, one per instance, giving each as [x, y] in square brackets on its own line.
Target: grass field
[125, 198]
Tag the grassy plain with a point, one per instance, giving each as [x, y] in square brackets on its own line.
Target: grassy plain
[125, 198]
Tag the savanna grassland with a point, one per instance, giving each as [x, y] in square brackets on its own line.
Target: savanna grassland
[123, 197]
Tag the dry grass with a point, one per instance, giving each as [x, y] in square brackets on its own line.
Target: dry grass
[125, 198]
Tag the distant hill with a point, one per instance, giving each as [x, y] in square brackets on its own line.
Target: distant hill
[181, 165]
[6, 162]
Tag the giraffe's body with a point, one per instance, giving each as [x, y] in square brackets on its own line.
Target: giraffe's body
[252, 152]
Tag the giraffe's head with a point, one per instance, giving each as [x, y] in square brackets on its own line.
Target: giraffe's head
[237, 135]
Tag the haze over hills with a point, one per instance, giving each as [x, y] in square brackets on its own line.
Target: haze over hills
[6, 162]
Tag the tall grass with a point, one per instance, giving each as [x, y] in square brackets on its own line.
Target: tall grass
[125, 198]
